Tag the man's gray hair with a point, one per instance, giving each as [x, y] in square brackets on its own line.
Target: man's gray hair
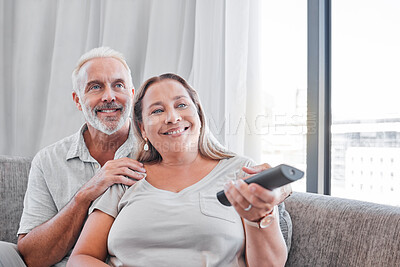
[99, 52]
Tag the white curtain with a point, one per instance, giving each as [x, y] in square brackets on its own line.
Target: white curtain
[211, 43]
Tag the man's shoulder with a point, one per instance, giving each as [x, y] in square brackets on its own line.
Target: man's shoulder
[59, 148]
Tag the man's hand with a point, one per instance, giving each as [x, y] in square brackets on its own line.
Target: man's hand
[49, 242]
[119, 171]
[281, 193]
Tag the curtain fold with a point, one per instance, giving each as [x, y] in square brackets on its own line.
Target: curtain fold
[6, 64]
[211, 43]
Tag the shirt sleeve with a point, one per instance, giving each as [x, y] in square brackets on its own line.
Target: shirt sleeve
[108, 202]
[39, 205]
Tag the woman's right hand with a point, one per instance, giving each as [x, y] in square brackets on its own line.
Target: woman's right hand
[251, 201]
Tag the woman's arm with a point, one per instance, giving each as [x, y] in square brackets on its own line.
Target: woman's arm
[91, 247]
[264, 247]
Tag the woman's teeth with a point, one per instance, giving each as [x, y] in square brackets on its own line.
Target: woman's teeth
[175, 132]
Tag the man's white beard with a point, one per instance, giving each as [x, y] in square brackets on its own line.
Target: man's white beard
[95, 122]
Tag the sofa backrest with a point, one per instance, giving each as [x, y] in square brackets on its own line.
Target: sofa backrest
[329, 231]
[14, 173]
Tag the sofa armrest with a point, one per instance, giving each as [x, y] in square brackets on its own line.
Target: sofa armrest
[14, 173]
[330, 231]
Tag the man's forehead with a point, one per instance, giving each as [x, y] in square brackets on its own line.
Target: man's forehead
[103, 69]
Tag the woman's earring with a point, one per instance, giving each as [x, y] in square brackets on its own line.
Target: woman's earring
[146, 145]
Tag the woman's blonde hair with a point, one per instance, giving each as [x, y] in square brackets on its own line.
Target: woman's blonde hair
[208, 145]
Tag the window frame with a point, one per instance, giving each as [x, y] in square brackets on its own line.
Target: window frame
[318, 97]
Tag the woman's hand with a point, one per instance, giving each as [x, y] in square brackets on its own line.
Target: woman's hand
[251, 201]
[282, 193]
[264, 247]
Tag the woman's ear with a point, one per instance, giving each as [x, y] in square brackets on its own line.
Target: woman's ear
[142, 131]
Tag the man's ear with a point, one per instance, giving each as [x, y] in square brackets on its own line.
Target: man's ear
[75, 97]
[133, 91]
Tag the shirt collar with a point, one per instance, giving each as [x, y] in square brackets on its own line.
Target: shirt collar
[79, 149]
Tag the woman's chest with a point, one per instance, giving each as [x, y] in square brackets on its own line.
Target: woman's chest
[178, 221]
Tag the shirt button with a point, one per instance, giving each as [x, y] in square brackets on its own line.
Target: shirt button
[96, 166]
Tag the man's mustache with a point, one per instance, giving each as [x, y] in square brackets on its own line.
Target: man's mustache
[108, 106]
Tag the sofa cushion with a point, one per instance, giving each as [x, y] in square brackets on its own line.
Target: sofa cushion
[329, 231]
[14, 173]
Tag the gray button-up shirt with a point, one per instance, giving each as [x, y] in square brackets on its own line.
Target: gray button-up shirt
[57, 173]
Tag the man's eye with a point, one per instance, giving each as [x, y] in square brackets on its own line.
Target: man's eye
[120, 85]
[95, 87]
[156, 111]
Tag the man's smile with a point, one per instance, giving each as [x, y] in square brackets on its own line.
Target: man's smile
[108, 108]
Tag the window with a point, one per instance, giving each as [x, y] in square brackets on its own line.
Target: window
[365, 131]
[349, 95]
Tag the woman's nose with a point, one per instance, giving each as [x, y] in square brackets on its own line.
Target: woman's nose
[172, 117]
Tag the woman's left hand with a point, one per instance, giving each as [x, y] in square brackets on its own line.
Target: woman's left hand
[251, 201]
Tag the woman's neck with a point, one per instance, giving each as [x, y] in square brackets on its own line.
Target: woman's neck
[177, 173]
[180, 159]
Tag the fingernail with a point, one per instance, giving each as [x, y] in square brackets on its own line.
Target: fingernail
[226, 186]
[276, 192]
[252, 188]
[142, 169]
[239, 183]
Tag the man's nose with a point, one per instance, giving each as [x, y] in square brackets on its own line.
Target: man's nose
[172, 116]
[108, 94]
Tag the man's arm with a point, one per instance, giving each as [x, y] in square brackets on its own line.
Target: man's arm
[282, 192]
[49, 242]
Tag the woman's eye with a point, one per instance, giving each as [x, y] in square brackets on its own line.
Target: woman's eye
[182, 105]
[156, 111]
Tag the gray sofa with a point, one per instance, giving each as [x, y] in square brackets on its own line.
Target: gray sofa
[327, 231]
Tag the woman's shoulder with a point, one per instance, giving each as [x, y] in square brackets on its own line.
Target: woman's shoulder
[239, 160]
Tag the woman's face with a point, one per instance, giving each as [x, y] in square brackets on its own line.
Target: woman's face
[170, 119]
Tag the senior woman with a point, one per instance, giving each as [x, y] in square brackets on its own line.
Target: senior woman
[172, 217]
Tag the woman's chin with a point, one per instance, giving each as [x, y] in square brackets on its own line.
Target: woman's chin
[178, 147]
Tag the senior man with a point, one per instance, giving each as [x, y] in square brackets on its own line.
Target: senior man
[67, 176]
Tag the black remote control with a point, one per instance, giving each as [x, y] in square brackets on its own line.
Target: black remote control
[270, 179]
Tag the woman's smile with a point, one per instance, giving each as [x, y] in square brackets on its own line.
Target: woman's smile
[176, 131]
